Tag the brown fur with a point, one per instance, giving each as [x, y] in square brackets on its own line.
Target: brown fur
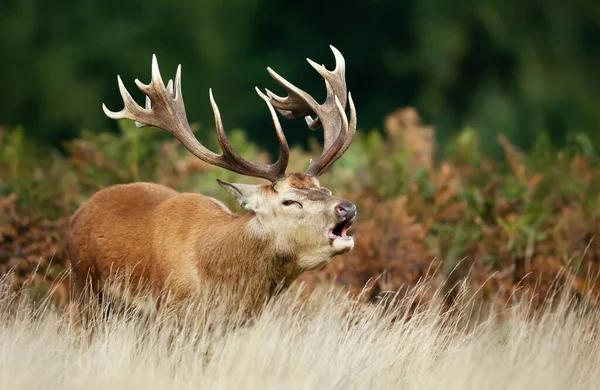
[170, 241]
[301, 181]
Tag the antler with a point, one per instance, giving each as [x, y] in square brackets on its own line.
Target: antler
[338, 134]
[165, 109]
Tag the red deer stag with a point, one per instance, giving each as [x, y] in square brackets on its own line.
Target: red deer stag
[171, 241]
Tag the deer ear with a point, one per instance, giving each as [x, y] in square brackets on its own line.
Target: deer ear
[246, 194]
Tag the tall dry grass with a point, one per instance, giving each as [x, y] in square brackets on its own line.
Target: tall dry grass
[323, 341]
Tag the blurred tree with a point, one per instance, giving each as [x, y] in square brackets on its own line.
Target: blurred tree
[519, 68]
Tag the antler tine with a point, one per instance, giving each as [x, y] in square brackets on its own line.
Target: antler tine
[297, 104]
[348, 139]
[165, 109]
[335, 80]
[338, 134]
[274, 171]
[284, 154]
[300, 104]
[317, 167]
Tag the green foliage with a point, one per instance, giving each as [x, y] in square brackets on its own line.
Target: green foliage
[40, 175]
[517, 68]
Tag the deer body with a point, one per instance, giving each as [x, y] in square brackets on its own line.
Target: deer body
[167, 241]
[198, 244]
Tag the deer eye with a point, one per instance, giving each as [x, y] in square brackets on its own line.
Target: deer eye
[291, 202]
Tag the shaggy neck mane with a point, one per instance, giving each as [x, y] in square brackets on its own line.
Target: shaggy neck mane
[254, 273]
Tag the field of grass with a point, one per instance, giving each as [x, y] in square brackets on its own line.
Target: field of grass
[321, 341]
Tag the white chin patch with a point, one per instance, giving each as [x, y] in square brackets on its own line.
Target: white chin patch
[343, 244]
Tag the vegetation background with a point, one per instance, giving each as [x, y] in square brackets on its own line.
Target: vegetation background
[516, 68]
[504, 184]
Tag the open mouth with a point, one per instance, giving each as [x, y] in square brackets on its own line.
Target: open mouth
[340, 230]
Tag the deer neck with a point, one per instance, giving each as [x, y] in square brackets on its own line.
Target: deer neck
[245, 260]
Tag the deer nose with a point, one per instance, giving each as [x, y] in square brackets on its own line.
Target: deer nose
[346, 209]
